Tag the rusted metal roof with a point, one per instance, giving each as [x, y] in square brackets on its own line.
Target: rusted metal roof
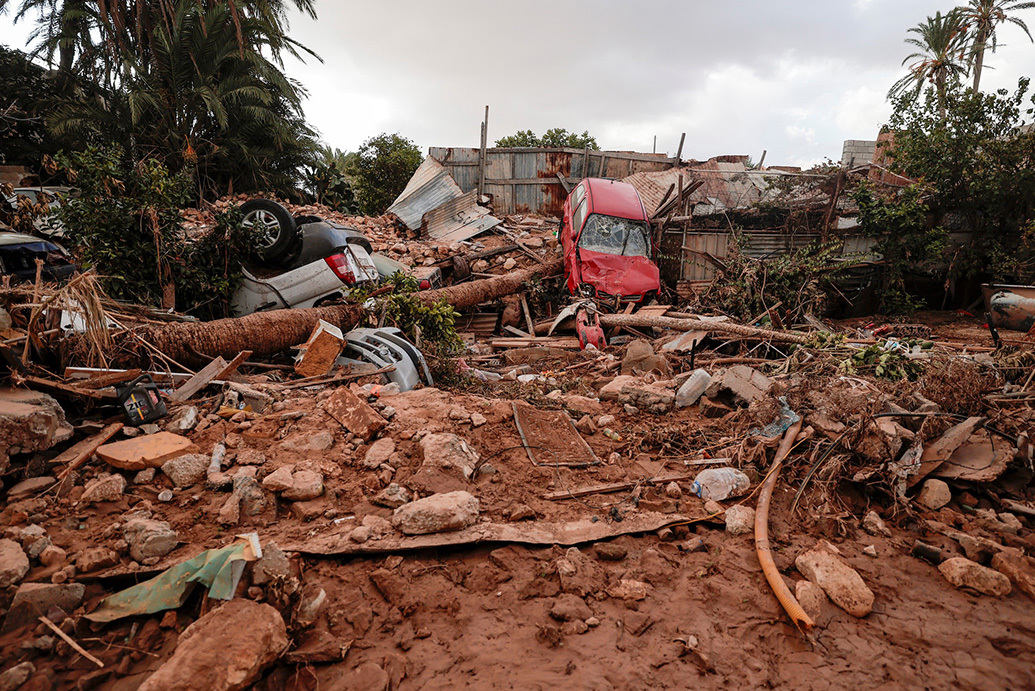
[430, 187]
[458, 219]
[727, 184]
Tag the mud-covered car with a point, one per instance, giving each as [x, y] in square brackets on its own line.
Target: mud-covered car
[608, 251]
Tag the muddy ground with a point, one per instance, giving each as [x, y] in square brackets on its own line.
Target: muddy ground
[492, 615]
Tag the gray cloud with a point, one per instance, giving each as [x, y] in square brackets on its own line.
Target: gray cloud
[796, 78]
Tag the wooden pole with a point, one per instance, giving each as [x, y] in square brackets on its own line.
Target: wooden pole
[679, 151]
[481, 154]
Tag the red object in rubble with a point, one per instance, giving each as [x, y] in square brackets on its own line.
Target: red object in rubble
[588, 329]
[608, 248]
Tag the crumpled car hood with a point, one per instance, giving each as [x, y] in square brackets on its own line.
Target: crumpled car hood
[617, 275]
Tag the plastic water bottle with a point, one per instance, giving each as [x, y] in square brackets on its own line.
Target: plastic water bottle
[693, 388]
[720, 483]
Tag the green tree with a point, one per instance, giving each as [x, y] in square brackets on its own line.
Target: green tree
[940, 59]
[25, 89]
[196, 82]
[521, 138]
[982, 17]
[907, 242]
[383, 166]
[978, 163]
[554, 137]
[329, 181]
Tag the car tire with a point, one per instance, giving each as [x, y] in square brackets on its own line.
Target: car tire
[274, 226]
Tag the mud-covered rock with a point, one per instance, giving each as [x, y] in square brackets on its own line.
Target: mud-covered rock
[225, 650]
[964, 573]
[740, 520]
[570, 607]
[14, 563]
[379, 452]
[436, 514]
[149, 538]
[824, 566]
[449, 452]
[109, 488]
[393, 496]
[186, 470]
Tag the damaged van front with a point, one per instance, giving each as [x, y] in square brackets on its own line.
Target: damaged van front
[608, 251]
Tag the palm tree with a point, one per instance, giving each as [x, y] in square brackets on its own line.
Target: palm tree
[940, 60]
[983, 16]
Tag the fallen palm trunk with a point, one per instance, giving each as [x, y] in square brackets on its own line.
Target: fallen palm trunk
[196, 343]
[701, 325]
[488, 289]
[765, 558]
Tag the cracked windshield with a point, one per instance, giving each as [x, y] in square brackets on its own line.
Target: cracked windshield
[613, 235]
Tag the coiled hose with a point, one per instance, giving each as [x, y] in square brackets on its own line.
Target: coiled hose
[765, 558]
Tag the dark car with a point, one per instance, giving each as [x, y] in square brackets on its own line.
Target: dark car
[18, 255]
[608, 250]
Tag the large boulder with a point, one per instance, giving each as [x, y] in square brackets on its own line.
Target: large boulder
[436, 514]
[225, 650]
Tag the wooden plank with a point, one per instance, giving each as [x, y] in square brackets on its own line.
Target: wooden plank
[234, 364]
[199, 381]
[75, 456]
[103, 381]
[528, 315]
[68, 389]
[564, 183]
[517, 332]
[77, 372]
[615, 486]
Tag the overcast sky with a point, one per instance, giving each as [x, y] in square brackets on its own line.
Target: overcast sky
[796, 77]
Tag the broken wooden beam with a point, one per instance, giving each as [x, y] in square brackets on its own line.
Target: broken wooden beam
[78, 454]
[199, 381]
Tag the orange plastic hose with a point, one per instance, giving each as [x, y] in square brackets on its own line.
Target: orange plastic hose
[765, 558]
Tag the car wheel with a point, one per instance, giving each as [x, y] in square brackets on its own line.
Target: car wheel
[273, 226]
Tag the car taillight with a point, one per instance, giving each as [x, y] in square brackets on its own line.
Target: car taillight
[424, 284]
[339, 264]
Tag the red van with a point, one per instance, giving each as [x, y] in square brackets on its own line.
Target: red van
[608, 251]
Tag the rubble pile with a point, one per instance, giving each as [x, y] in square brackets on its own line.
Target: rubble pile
[282, 524]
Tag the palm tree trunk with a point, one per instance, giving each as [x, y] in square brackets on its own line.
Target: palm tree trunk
[979, 58]
[939, 84]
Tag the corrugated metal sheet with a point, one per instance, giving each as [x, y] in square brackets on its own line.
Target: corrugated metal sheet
[458, 219]
[430, 187]
[524, 180]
